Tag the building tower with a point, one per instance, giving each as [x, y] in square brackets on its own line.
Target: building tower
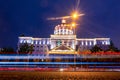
[63, 40]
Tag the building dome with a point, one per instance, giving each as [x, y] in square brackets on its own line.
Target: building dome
[63, 29]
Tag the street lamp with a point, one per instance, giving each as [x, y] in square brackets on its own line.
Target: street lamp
[73, 26]
[75, 15]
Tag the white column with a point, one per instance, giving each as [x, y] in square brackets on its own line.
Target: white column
[36, 42]
[94, 42]
[90, 43]
[73, 44]
[66, 31]
[86, 43]
[31, 42]
[82, 43]
[40, 42]
[102, 42]
[48, 42]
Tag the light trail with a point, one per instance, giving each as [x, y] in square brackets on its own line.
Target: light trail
[77, 5]
[55, 56]
[39, 66]
[65, 17]
[70, 63]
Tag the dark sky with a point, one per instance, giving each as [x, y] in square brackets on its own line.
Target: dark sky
[102, 19]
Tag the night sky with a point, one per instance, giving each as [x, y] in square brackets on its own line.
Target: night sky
[28, 17]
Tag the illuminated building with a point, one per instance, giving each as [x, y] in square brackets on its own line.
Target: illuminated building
[62, 50]
[59, 51]
[63, 41]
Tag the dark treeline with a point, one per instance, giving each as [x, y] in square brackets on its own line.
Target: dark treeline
[7, 50]
[111, 48]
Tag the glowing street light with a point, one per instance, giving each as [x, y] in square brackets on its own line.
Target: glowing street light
[73, 24]
[75, 15]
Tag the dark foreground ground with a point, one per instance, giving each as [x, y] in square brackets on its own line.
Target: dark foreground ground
[36, 75]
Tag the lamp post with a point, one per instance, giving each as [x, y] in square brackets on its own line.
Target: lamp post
[74, 17]
[74, 61]
[74, 27]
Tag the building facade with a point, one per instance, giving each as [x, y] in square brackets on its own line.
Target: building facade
[63, 41]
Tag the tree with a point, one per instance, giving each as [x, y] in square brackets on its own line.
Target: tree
[22, 35]
[25, 48]
[7, 50]
[112, 48]
[31, 49]
[96, 49]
